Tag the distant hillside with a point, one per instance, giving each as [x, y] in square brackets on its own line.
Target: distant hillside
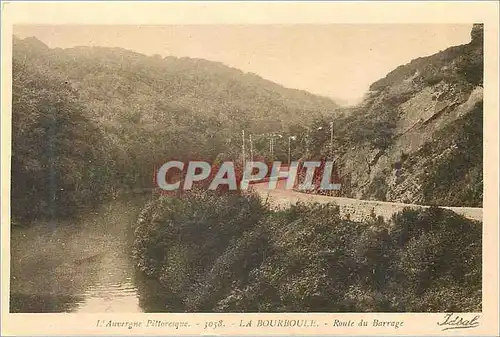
[112, 80]
[417, 136]
[133, 112]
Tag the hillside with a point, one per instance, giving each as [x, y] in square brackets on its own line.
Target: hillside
[417, 136]
[106, 116]
[113, 80]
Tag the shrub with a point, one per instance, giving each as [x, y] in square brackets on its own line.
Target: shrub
[433, 79]
[188, 233]
[309, 258]
[457, 178]
[439, 256]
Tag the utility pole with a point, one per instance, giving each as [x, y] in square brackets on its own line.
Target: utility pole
[307, 143]
[251, 147]
[243, 146]
[331, 141]
[289, 150]
[272, 147]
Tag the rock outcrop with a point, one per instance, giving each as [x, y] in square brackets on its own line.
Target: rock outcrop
[418, 134]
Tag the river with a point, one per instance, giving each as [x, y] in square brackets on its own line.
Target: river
[79, 265]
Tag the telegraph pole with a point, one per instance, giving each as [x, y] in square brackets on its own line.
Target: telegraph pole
[289, 149]
[307, 143]
[272, 147]
[243, 146]
[251, 148]
[331, 141]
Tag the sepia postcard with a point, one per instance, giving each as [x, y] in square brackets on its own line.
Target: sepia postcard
[250, 168]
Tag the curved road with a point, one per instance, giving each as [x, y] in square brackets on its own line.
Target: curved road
[355, 208]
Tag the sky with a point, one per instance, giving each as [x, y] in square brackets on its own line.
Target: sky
[338, 61]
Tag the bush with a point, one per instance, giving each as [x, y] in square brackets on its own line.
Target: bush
[309, 258]
[434, 79]
[456, 179]
[439, 256]
[187, 234]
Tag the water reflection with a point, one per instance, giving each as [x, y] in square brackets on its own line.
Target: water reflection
[43, 303]
[115, 290]
[82, 265]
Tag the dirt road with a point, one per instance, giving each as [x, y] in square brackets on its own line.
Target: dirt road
[355, 208]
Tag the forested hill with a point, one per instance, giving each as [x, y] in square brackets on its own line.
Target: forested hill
[118, 83]
[90, 120]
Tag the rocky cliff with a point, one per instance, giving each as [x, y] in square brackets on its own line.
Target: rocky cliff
[417, 136]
